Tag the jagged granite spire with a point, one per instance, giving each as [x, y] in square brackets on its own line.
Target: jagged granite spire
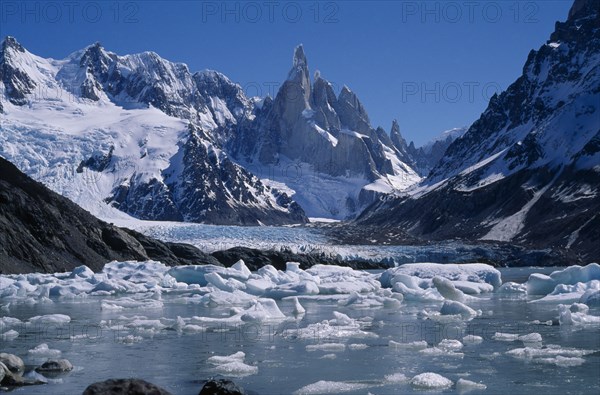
[299, 79]
[396, 137]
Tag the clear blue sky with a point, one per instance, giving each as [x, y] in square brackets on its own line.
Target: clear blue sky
[426, 63]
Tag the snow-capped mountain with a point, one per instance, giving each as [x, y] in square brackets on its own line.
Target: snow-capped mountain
[137, 132]
[156, 141]
[528, 170]
[423, 159]
[321, 145]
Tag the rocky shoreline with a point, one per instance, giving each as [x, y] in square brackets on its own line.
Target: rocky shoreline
[13, 375]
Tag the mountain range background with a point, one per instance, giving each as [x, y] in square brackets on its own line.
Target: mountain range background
[142, 136]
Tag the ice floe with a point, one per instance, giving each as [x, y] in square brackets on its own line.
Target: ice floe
[472, 339]
[232, 365]
[463, 386]
[43, 351]
[551, 354]
[567, 285]
[331, 387]
[430, 381]
[577, 315]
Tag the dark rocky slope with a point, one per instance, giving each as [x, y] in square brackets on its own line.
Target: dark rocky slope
[42, 231]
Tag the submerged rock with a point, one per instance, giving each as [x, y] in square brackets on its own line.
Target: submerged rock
[12, 362]
[55, 366]
[221, 387]
[10, 379]
[124, 387]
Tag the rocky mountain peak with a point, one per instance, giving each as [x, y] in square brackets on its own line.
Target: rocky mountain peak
[396, 136]
[583, 7]
[299, 71]
[351, 111]
[11, 42]
[17, 82]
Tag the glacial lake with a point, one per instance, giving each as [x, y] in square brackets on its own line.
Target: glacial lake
[284, 358]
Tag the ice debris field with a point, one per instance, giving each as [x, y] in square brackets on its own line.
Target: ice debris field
[412, 327]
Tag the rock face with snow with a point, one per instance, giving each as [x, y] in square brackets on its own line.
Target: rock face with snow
[527, 171]
[137, 132]
[158, 142]
[321, 145]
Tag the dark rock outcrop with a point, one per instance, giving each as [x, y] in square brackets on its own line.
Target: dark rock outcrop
[41, 231]
[124, 387]
[221, 387]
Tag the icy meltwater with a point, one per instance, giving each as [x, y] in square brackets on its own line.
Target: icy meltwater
[449, 328]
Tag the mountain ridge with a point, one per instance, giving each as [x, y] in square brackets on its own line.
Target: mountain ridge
[528, 170]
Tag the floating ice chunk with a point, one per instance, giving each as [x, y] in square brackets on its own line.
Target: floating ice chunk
[416, 345]
[263, 310]
[436, 351]
[129, 339]
[218, 360]
[217, 297]
[298, 309]
[258, 286]
[505, 337]
[531, 338]
[357, 346]
[81, 272]
[463, 386]
[562, 362]
[232, 365]
[9, 335]
[450, 345]
[111, 286]
[577, 315]
[292, 267]
[538, 322]
[551, 354]
[511, 288]
[56, 319]
[473, 288]
[343, 280]
[193, 274]
[447, 289]
[228, 285]
[241, 267]
[418, 294]
[304, 287]
[340, 327]
[9, 322]
[430, 381]
[541, 284]
[328, 356]
[331, 387]
[42, 351]
[145, 324]
[331, 347]
[131, 303]
[472, 339]
[395, 378]
[570, 293]
[591, 298]
[471, 272]
[457, 308]
[342, 319]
